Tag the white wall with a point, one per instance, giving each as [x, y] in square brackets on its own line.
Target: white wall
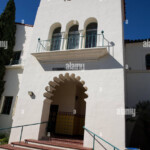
[23, 39]
[135, 56]
[11, 89]
[13, 75]
[137, 78]
[104, 78]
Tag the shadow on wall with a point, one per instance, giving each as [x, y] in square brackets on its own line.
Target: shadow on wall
[107, 62]
[45, 115]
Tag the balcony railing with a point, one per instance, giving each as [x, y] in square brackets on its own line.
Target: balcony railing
[73, 42]
[14, 62]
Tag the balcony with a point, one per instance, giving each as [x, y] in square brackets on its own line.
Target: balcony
[15, 64]
[74, 48]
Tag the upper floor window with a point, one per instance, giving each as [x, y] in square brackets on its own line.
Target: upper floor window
[6, 105]
[16, 58]
[56, 39]
[91, 35]
[148, 62]
[73, 38]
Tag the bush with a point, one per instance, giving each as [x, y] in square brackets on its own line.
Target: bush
[4, 139]
[141, 133]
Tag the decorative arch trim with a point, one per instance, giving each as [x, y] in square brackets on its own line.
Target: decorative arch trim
[60, 80]
[52, 28]
[88, 21]
[70, 24]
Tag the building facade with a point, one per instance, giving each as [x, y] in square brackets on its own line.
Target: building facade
[137, 79]
[13, 76]
[73, 73]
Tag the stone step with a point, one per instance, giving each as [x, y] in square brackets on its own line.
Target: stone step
[65, 145]
[66, 140]
[32, 146]
[10, 147]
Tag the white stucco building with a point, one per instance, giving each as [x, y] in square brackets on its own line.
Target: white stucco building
[13, 75]
[75, 64]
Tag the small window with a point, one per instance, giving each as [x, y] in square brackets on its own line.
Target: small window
[73, 37]
[16, 58]
[148, 62]
[7, 105]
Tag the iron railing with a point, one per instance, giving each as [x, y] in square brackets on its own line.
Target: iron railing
[73, 42]
[94, 139]
[22, 127]
[14, 62]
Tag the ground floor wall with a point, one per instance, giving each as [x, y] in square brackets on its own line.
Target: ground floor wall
[101, 106]
[12, 78]
[105, 97]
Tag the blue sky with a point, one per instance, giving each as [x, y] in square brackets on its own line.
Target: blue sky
[137, 14]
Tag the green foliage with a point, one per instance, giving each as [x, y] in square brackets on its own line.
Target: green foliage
[4, 139]
[141, 132]
[7, 33]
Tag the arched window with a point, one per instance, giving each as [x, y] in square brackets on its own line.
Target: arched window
[73, 38]
[56, 39]
[91, 35]
[148, 62]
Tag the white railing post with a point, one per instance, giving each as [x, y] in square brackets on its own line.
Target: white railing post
[99, 38]
[63, 41]
[81, 39]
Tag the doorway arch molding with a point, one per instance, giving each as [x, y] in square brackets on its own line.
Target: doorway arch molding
[58, 81]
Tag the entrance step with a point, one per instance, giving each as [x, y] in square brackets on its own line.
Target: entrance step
[59, 144]
[67, 140]
[10, 147]
[53, 144]
[33, 146]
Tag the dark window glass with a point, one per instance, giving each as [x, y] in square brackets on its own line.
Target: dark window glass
[148, 62]
[73, 38]
[16, 58]
[7, 105]
[91, 35]
[56, 39]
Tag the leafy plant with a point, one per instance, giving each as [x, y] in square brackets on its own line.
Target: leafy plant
[4, 138]
[141, 132]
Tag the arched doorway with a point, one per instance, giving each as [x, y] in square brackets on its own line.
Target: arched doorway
[67, 110]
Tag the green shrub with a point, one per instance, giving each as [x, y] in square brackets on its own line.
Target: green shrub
[2, 136]
[4, 139]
